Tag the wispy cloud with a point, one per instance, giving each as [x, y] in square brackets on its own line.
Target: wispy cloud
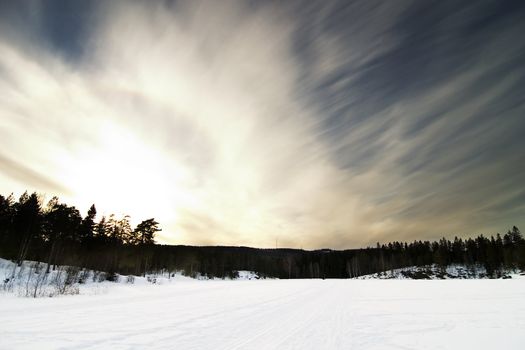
[238, 123]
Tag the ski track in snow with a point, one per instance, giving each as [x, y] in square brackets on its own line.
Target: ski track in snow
[274, 314]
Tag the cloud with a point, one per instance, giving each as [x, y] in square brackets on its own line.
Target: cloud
[239, 123]
[20, 173]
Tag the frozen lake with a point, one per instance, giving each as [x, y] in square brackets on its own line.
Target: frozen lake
[273, 314]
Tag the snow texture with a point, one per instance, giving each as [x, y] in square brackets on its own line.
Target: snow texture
[184, 313]
[437, 272]
[31, 279]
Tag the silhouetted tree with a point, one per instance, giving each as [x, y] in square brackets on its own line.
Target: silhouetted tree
[59, 235]
[87, 227]
[145, 232]
[62, 224]
[27, 223]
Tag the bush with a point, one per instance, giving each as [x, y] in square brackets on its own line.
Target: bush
[83, 276]
[65, 281]
[112, 277]
[232, 274]
[99, 276]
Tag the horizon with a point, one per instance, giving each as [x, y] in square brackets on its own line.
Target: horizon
[326, 125]
[462, 238]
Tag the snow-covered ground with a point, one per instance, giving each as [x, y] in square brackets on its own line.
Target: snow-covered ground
[272, 314]
[33, 279]
[438, 272]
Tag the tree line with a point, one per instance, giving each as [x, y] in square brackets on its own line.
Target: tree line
[56, 233]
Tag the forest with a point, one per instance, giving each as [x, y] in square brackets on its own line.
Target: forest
[57, 234]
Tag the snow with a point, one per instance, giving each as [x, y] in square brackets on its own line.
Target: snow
[183, 313]
[31, 280]
[247, 275]
[437, 272]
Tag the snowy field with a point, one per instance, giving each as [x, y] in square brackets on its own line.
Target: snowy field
[272, 314]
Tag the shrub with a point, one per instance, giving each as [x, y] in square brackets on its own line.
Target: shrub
[112, 277]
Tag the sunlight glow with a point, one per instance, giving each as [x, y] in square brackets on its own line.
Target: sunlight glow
[122, 171]
[236, 122]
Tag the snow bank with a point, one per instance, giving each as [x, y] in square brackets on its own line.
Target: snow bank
[32, 279]
[438, 272]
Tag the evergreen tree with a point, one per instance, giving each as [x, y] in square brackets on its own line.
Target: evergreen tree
[101, 230]
[6, 223]
[27, 223]
[145, 232]
[87, 227]
[62, 224]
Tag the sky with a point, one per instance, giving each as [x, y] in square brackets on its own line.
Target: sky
[306, 124]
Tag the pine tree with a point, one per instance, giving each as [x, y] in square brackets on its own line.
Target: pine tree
[27, 222]
[145, 232]
[87, 227]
